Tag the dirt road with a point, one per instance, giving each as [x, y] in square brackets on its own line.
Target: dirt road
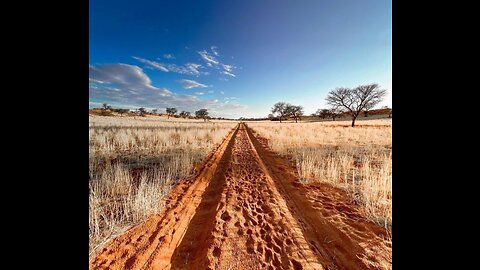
[247, 210]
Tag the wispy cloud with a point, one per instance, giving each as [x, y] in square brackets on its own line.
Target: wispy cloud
[168, 56]
[212, 61]
[188, 84]
[221, 92]
[199, 93]
[153, 64]
[188, 69]
[214, 50]
[228, 68]
[128, 86]
[208, 57]
[228, 73]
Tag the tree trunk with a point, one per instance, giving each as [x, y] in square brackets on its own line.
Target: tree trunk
[204, 119]
[353, 120]
[280, 119]
[296, 120]
[168, 116]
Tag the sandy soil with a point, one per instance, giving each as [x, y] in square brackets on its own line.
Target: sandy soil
[247, 210]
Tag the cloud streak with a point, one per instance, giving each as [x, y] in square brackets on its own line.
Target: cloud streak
[152, 64]
[228, 73]
[187, 69]
[208, 57]
[214, 50]
[189, 84]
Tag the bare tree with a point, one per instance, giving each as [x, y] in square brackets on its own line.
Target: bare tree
[294, 111]
[155, 111]
[171, 112]
[202, 113]
[185, 114]
[105, 106]
[357, 99]
[281, 108]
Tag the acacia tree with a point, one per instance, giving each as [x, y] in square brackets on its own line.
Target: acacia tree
[322, 113]
[171, 112]
[142, 111]
[281, 108]
[121, 111]
[357, 99]
[184, 114]
[334, 112]
[202, 113]
[294, 111]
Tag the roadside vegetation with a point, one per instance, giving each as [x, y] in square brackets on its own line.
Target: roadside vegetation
[133, 164]
[358, 160]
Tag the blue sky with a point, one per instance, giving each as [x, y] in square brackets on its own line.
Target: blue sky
[235, 58]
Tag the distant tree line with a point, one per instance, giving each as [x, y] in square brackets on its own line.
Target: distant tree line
[107, 110]
[341, 101]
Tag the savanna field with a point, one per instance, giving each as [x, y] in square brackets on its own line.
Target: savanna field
[137, 163]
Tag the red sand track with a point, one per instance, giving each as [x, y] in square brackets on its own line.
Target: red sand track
[247, 210]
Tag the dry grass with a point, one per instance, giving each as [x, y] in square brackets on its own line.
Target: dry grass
[358, 160]
[135, 162]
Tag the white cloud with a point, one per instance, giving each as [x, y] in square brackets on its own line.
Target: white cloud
[211, 61]
[228, 73]
[153, 64]
[168, 56]
[193, 68]
[188, 69]
[214, 50]
[221, 92]
[228, 68]
[208, 57]
[199, 93]
[128, 86]
[188, 84]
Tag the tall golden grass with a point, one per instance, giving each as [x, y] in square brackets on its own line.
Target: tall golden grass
[133, 164]
[358, 160]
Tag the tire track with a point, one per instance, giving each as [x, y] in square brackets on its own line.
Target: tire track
[338, 243]
[158, 237]
[245, 210]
